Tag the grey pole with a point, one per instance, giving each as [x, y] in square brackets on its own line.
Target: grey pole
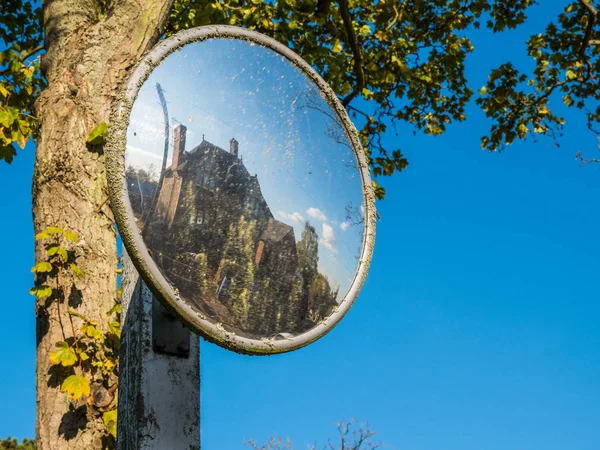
[159, 374]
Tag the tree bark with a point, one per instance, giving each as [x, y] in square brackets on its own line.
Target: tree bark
[86, 61]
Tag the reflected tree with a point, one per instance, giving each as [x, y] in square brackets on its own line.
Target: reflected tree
[237, 275]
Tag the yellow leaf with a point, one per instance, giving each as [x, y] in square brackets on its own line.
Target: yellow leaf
[337, 47]
[75, 386]
[110, 420]
[64, 355]
[365, 30]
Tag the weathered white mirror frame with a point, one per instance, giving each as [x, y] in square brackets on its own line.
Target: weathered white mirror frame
[132, 239]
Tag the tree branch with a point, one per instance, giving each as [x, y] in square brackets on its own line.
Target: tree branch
[323, 8]
[31, 52]
[356, 51]
[589, 30]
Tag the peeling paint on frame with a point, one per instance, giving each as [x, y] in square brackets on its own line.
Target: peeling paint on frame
[115, 171]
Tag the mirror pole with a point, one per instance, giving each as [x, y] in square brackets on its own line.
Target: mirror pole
[159, 391]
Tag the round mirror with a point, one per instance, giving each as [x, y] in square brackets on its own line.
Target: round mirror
[240, 190]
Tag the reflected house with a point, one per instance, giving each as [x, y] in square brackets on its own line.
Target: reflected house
[214, 236]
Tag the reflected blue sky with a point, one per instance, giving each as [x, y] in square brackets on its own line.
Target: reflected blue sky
[222, 89]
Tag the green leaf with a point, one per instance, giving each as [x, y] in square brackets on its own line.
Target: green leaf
[92, 332]
[76, 270]
[110, 420]
[98, 135]
[75, 386]
[64, 355]
[115, 328]
[115, 309]
[41, 291]
[71, 236]
[46, 234]
[8, 115]
[43, 266]
[51, 250]
[571, 75]
[81, 316]
[7, 152]
[365, 30]
[62, 252]
[55, 230]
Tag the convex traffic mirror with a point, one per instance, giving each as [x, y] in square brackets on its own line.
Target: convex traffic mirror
[241, 190]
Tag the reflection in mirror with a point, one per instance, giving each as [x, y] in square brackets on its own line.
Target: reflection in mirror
[245, 188]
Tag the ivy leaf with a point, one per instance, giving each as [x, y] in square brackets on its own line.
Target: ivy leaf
[64, 355]
[75, 386]
[71, 236]
[115, 328]
[115, 309]
[81, 316]
[55, 230]
[110, 420]
[41, 292]
[43, 266]
[76, 270]
[98, 135]
[62, 252]
[92, 331]
[42, 235]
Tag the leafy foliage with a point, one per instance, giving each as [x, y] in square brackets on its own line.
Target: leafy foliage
[393, 62]
[64, 355]
[20, 78]
[91, 353]
[75, 386]
[567, 62]
[110, 421]
[98, 135]
[12, 444]
[389, 62]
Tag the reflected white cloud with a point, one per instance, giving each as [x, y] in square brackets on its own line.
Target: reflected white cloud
[328, 238]
[294, 217]
[316, 213]
[344, 226]
[140, 158]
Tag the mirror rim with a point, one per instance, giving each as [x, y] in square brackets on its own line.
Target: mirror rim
[132, 240]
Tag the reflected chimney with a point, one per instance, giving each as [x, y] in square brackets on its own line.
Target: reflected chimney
[178, 144]
[234, 147]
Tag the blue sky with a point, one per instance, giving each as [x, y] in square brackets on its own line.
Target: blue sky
[477, 327]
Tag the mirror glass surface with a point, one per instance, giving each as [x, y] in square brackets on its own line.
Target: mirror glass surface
[245, 188]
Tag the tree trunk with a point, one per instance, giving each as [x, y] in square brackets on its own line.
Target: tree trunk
[86, 60]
